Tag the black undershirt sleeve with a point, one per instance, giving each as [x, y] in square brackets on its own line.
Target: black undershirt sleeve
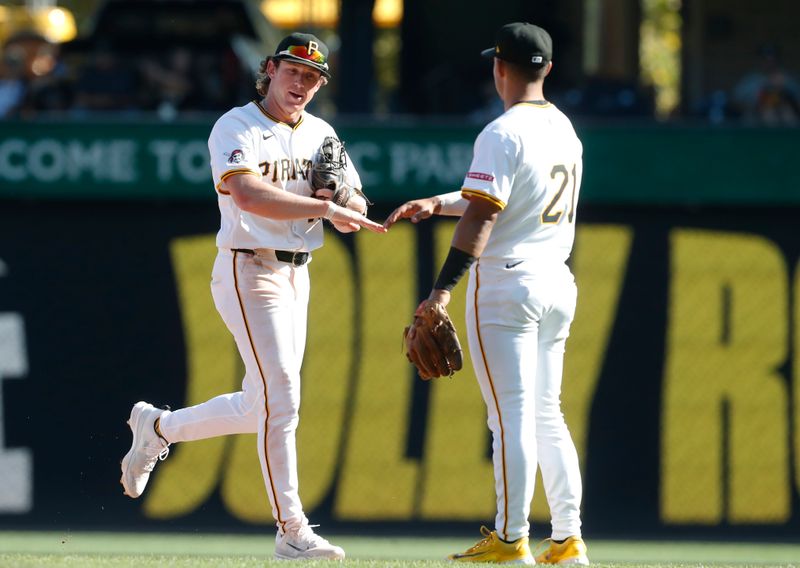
[454, 267]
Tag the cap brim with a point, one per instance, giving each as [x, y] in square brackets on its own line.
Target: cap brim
[488, 53]
[301, 61]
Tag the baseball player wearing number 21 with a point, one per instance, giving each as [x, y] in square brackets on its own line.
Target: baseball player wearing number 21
[516, 230]
[261, 161]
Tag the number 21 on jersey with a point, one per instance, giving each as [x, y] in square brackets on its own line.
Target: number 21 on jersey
[557, 207]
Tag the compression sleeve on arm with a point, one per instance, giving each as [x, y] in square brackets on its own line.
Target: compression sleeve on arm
[454, 267]
[451, 204]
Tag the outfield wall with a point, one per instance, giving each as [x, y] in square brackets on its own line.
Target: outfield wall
[680, 378]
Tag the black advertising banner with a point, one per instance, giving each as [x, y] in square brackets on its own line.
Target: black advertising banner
[680, 384]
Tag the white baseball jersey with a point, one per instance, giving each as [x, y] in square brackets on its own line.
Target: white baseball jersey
[248, 140]
[262, 300]
[529, 162]
[521, 299]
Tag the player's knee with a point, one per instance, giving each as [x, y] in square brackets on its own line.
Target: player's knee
[549, 420]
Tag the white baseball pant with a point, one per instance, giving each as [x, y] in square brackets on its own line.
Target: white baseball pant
[264, 303]
[518, 321]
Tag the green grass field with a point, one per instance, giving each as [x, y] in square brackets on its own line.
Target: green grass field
[90, 550]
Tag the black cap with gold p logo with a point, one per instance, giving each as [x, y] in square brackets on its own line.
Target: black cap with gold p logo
[306, 49]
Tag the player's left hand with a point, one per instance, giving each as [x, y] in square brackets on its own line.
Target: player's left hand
[431, 342]
[323, 194]
[438, 296]
[329, 177]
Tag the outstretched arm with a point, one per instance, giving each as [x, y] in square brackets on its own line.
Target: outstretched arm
[470, 238]
[431, 341]
[255, 196]
[419, 209]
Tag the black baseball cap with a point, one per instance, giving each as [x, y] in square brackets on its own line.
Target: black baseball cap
[306, 49]
[522, 43]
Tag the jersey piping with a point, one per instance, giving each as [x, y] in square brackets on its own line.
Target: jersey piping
[264, 383]
[266, 113]
[466, 192]
[534, 105]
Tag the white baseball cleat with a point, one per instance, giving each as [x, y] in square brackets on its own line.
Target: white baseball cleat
[146, 450]
[304, 544]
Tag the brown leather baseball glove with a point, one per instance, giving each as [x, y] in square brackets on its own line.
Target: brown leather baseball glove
[431, 342]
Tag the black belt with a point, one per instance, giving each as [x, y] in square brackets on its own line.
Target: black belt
[293, 258]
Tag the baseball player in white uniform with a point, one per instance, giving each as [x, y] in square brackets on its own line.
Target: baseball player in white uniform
[261, 155]
[517, 226]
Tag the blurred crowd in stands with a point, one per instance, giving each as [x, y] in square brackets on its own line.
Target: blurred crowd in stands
[768, 95]
[39, 79]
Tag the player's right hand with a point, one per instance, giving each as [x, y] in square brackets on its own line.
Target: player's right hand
[354, 220]
[416, 210]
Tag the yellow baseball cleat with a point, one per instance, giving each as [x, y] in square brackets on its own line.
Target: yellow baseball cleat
[492, 549]
[571, 551]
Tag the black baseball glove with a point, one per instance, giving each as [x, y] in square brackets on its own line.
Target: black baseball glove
[328, 177]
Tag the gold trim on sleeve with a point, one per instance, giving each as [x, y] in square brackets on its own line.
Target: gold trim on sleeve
[231, 173]
[468, 193]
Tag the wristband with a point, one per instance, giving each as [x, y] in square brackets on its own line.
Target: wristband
[450, 204]
[454, 267]
[331, 210]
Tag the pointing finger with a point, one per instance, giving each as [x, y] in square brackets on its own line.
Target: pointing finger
[393, 217]
[372, 225]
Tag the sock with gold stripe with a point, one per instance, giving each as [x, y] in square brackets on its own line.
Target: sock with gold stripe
[157, 428]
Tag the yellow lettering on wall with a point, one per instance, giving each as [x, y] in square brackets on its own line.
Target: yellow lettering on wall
[796, 377]
[185, 481]
[724, 401]
[377, 481]
[599, 262]
[242, 485]
[328, 368]
[458, 479]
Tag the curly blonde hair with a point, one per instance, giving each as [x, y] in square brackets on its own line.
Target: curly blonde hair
[262, 79]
